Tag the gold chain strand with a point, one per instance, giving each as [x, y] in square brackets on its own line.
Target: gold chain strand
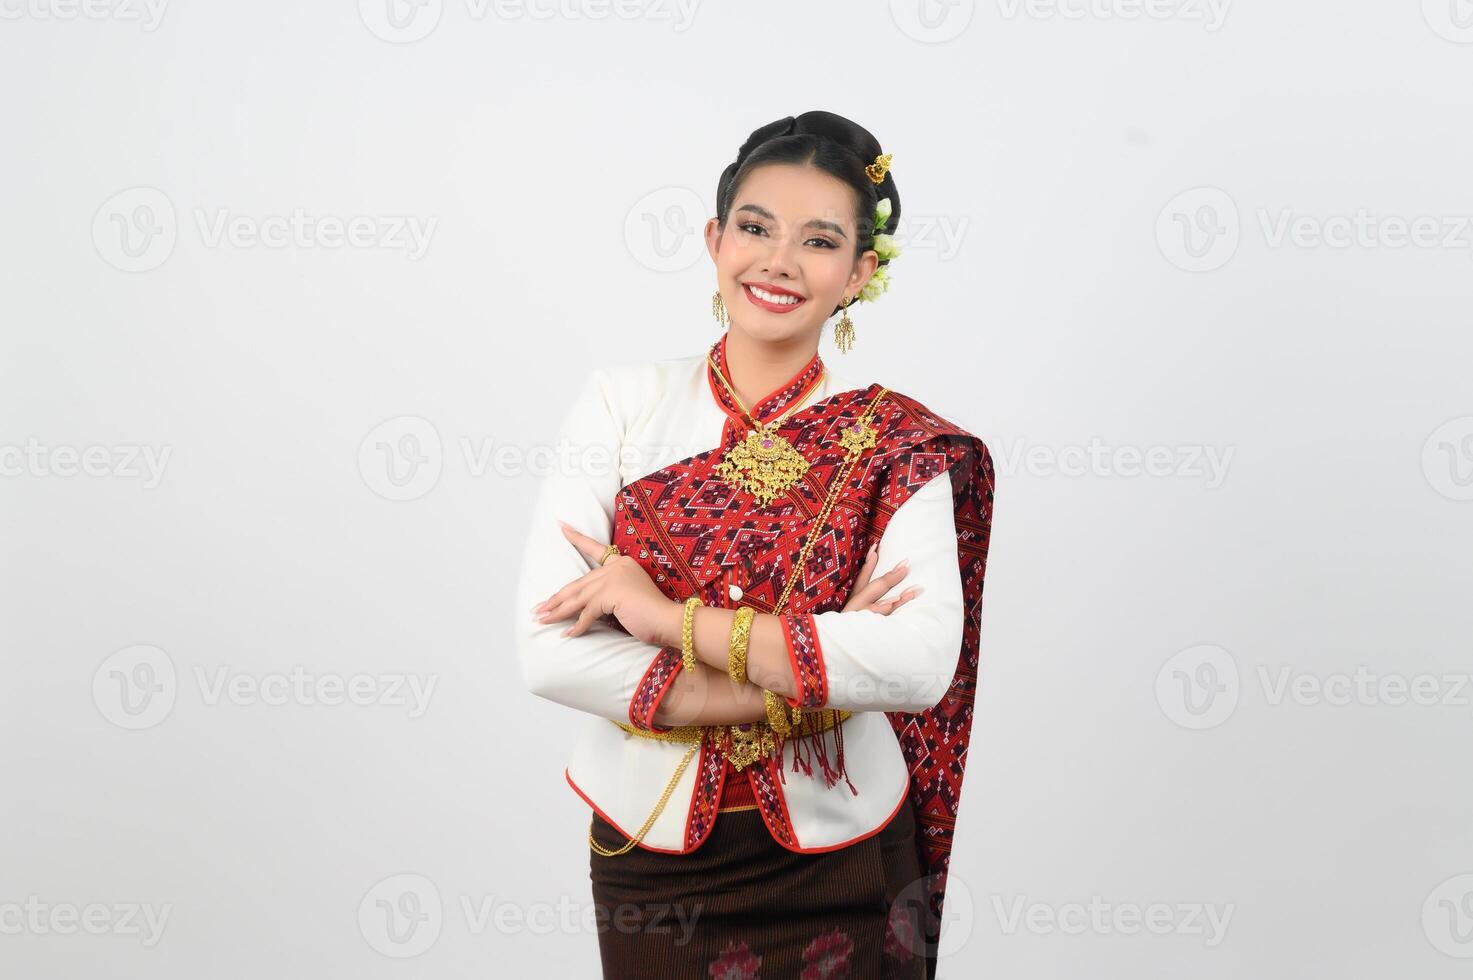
[828, 717]
[764, 463]
[664, 797]
[743, 408]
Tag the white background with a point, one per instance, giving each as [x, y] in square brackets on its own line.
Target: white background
[1124, 229]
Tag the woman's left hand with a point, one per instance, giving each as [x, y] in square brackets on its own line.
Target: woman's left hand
[620, 586]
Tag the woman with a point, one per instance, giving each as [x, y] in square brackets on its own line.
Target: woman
[775, 746]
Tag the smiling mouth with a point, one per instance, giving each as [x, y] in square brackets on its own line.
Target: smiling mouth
[770, 300]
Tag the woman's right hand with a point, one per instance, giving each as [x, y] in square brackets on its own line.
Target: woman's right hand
[867, 590]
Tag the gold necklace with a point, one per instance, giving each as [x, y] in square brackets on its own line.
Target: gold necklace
[757, 740]
[764, 463]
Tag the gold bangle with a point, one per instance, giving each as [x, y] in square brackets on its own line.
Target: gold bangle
[687, 634]
[777, 713]
[741, 635]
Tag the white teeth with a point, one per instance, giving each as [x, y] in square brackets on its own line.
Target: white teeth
[773, 297]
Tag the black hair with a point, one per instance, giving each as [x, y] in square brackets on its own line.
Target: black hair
[828, 142]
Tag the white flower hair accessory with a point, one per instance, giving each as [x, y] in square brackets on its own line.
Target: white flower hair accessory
[887, 248]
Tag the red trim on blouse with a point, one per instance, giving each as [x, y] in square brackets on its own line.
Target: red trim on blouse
[793, 390]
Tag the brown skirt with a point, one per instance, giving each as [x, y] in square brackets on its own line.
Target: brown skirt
[743, 907]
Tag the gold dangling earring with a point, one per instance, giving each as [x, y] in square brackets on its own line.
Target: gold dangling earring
[718, 309]
[844, 330]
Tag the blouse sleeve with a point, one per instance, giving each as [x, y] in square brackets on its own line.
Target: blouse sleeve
[603, 671]
[867, 661]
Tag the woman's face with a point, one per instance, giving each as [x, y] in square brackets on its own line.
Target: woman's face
[787, 256]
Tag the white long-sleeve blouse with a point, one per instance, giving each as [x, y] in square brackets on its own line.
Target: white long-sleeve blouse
[627, 422]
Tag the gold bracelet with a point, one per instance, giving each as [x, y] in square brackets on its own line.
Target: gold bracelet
[687, 634]
[741, 635]
[777, 712]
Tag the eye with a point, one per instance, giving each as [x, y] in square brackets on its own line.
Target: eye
[752, 224]
[823, 241]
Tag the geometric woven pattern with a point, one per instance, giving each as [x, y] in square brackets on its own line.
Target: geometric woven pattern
[694, 533]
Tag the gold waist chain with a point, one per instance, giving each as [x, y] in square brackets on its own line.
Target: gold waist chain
[745, 744]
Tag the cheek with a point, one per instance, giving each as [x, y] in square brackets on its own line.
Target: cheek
[826, 272]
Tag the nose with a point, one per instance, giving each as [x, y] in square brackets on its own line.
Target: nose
[781, 259]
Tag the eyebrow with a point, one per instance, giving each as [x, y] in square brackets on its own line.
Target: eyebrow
[810, 223]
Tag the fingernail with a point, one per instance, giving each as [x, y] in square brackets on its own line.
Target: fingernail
[539, 605]
[904, 563]
[873, 549]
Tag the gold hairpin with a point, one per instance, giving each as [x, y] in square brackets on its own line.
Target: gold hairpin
[877, 170]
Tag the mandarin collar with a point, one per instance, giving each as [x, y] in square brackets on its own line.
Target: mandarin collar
[775, 401]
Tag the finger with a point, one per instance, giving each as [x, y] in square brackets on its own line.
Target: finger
[904, 597]
[590, 548]
[884, 583]
[568, 600]
[585, 619]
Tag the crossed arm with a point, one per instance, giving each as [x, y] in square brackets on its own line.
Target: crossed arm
[848, 654]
